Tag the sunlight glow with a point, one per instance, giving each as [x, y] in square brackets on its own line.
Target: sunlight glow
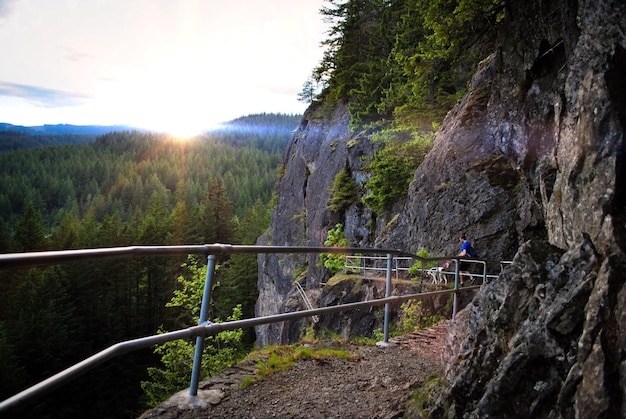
[179, 67]
[167, 100]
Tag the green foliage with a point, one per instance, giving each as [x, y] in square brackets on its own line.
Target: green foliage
[418, 266]
[309, 91]
[177, 359]
[274, 359]
[123, 189]
[405, 59]
[216, 214]
[16, 140]
[413, 317]
[343, 192]
[332, 261]
[10, 368]
[365, 341]
[236, 285]
[188, 296]
[393, 166]
[266, 132]
[220, 351]
[29, 231]
[379, 335]
[439, 57]
[424, 397]
[124, 172]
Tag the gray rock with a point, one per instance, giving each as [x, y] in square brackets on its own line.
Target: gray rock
[530, 166]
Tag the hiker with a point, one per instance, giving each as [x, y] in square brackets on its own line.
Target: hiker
[468, 252]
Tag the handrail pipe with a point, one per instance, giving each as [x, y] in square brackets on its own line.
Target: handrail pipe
[204, 327]
[200, 331]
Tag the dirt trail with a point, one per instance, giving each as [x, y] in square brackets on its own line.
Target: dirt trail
[377, 385]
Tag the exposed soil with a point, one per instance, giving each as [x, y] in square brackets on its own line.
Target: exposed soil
[376, 383]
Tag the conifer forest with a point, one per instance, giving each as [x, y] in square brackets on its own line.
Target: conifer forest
[122, 189]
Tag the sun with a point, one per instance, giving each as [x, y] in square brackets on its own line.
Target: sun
[188, 120]
[172, 96]
[183, 131]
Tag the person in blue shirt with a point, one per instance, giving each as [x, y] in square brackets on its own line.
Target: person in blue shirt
[467, 252]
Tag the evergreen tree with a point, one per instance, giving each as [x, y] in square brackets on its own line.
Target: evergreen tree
[11, 371]
[6, 241]
[29, 230]
[403, 58]
[308, 92]
[217, 220]
[238, 276]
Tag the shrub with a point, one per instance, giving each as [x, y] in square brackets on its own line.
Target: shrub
[393, 167]
[335, 238]
[343, 192]
[414, 317]
[416, 269]
[220, 351]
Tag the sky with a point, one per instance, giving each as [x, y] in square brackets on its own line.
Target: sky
[177, 66]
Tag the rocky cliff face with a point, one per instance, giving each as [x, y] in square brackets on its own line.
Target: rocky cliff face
[547, 339]
[321, 148]
[530, 165]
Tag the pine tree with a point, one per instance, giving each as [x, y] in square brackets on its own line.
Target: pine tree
[29, 230]
[218, 214]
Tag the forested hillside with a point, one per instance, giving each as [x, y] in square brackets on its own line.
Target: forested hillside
[16, 140]
[124, 188]
[403, 62]
[16, 137]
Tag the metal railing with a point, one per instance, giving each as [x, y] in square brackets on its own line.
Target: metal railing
[306, 300]
[369, 263]
[205, 327]
[359, 263]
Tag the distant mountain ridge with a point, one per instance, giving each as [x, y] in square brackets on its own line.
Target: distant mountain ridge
[15, 137]
[61, 129]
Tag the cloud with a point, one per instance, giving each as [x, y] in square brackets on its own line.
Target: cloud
[6, 7]
[74, 55]
[40, 96]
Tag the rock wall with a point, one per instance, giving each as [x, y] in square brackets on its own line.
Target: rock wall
[530, 165]
[547, 339]
[322, 146]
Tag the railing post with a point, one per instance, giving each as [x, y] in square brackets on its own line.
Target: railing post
[484, 272]
[364, 268]
[385, 341]
[204, 314]
[456, 288]
[397, 268]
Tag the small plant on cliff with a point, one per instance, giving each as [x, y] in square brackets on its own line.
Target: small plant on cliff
[342, 192]
[413, 317]
[424, 397]
[335, 238]
[393, 166]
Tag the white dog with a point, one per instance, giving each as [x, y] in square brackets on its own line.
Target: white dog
[437, 273]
